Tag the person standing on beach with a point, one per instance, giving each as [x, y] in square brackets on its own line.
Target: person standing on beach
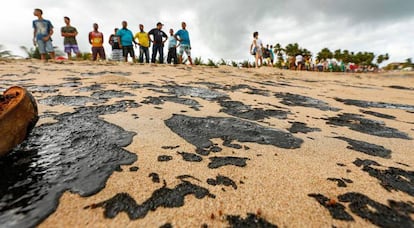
[144, 43]
[158, 42]
[256, 49]
[115, 42]
[96, 39]
[183, 36]
[127, 38]
[42, 35]
[70, 43]
[172, 48]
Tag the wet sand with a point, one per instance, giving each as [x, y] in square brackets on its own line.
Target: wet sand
[122, 145]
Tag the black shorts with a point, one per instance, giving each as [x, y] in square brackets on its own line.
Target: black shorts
[128, 50]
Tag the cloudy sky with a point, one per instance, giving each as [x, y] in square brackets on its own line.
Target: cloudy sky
[223, 29]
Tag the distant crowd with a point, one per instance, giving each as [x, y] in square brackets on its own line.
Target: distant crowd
[265, 55]
[122, 42]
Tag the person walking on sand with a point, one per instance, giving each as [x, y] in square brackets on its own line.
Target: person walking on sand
[42, 35]
[183, 36]
[256, 49]
[70, 43]
[144, 43]
[127, 38]
[96, 39]
[115, 42]
[158, 42]
[172, 48]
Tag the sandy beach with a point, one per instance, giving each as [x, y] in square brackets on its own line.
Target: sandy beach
[130, 145]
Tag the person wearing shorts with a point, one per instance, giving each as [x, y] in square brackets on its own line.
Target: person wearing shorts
[70, 43]
[42, 35]
[126, 41]
[183, 37]
[96, 39]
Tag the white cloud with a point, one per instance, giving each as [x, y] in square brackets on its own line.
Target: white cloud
[223, 29]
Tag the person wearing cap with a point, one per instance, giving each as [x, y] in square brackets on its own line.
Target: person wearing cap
[185, 45]
[158, 42]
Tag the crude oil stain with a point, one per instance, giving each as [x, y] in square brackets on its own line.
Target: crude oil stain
[371, 104]
[298, 127]
[155, 177]
[68, 100]
[372, 127]
[200, 131]
[377, 114]
[337, 210]
[190, 157]
[392, 178]
[164, 158]
[222, 180]
[178, 100]
[238, 109]
[341, 182]
[251, 220]
[217, 162]
[163, 197]
[290, 99]
[367, 148]
[78, 153]
[396, 215]
[108, 94]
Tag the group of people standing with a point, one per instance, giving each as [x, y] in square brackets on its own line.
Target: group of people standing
[260, 52]
[122, 41]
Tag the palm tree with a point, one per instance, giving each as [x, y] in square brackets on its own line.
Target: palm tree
[325, 53]
[4, 53]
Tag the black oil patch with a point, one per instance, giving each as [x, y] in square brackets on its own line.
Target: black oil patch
[166, 225]
[238, 109]
[163, 197]
[68, 100]
[392, 178]
[203, 93]
[290, 99]
[91, 74]
[337, 210]
[401, 87]
[155, 177]
[178, 100]
[251, 220]
[108, 94]
[298, 127]
[222, 180]
[341, 182]
[190, 157]
[133, 169]
[217, 162]
[372, 127]
[371, 104]
[377, 114]
[59, 157]
[43, 89]
[200, 131]
[367, 148]
[164, 158]
[94, 87]
[377, 213]
[185, 176]
[170, 147]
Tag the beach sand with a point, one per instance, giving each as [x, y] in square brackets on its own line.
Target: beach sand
[215, 147]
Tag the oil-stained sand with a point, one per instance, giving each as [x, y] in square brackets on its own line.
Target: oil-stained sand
[122, 145]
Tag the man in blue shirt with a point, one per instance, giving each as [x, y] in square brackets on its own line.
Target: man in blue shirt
[42, 35]
[126, 41]
[185, 45]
